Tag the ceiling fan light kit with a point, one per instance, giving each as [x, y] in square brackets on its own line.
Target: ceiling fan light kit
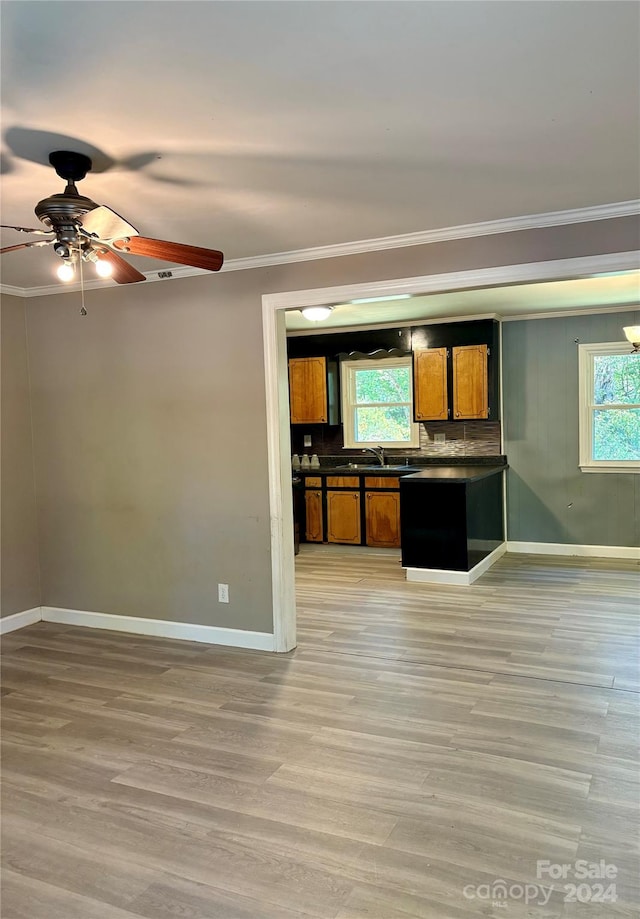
[632, 334]
[80, 229]
[66, 272]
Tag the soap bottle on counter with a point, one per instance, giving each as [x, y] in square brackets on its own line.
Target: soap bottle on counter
[315, 462]
[304, 462]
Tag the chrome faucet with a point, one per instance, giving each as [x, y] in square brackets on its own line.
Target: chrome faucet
[377, 452]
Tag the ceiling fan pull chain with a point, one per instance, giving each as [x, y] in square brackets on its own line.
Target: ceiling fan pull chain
[83, 311]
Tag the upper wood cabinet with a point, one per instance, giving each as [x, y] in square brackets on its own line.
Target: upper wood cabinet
[470, 382]
[430, 384]
[308, 390]
[313, 390]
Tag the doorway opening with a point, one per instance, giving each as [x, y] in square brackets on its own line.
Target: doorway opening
[275, 307]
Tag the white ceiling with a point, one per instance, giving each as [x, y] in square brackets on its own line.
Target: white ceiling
[512, 301]
[273, 126]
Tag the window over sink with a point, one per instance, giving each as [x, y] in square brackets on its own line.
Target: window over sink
[377, 403]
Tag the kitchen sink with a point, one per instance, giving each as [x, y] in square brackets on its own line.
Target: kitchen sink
[372, 467]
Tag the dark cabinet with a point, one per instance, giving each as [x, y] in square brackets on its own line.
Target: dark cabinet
[452, 516]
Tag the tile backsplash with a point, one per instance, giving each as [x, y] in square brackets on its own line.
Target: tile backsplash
[462, 438]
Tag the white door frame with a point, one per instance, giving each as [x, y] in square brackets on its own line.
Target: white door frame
[277, 389]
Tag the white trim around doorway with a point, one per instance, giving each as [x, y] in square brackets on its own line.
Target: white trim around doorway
[277, 398]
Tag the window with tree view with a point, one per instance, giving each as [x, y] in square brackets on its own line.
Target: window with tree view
[377, 402]
[610, 408]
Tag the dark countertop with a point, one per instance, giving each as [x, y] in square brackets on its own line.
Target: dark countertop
[359, 470]
[426, 464]
[454, 474]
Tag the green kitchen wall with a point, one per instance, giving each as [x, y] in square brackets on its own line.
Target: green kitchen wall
[549, 499]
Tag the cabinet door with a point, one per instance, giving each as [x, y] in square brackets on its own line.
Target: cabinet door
[308, 390]
[430, 384]
[470, 382]
[313, 516]
[383, 518]
[343, 517]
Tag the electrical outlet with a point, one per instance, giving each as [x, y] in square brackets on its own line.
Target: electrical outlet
[223, 593]
[307, 440]
[439, 438]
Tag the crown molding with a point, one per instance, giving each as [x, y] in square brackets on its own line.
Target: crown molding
[564, 314]
[381, 326]
[362, 246]
[527, 273]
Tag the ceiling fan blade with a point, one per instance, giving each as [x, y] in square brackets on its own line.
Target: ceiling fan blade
[5, 226]
[40, 242]
[106, 224]
[195, 256]
[122, 272]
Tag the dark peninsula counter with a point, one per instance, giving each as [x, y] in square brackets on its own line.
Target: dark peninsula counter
[452, 522]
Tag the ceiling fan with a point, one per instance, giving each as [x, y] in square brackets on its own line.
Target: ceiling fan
[82, 231]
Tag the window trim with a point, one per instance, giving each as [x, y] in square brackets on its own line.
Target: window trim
[349, 405]
[586, 354]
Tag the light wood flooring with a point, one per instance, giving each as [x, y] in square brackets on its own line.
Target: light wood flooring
[420, 739]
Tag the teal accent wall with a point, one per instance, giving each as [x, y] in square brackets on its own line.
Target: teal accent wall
[548, 498]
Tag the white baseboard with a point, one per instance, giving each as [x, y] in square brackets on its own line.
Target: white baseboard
[188, 631]
[560, 548]
[456, 578]
[20, 620]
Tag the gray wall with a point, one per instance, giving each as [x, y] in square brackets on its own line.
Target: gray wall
[549, 498]
[20, 574]
[150, 426]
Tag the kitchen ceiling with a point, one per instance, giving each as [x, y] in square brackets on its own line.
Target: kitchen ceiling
[274, 126]
[596, 293]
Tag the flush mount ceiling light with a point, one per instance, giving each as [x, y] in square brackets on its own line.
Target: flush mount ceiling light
[633, 335]
[316, 313]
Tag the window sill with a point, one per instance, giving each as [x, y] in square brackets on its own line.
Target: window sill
[612, 468]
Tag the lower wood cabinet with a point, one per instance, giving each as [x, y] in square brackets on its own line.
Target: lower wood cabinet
[353, 510]
[314, 531]
[382, 514]
[343, 517]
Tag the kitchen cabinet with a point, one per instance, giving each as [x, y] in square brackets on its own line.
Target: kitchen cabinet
[430, 395]
[352, 509]
[382, 515]
[313, 391]
[343, 517]
[470, 382]
[452, 516]
[314, 530]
